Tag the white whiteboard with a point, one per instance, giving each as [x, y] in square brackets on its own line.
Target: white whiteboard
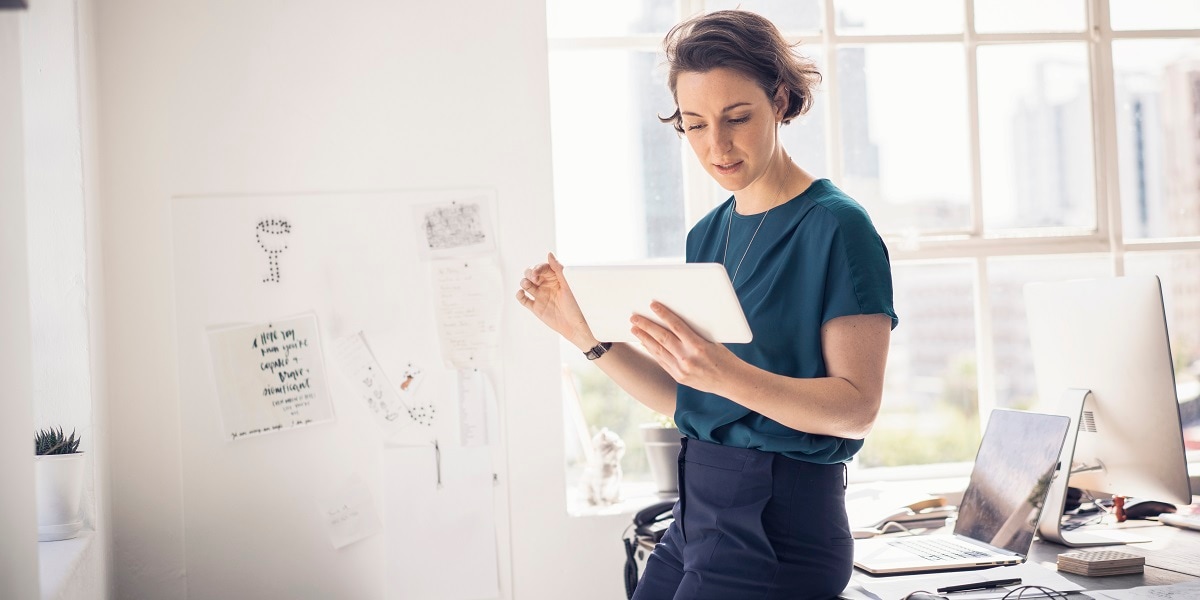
[353, 260]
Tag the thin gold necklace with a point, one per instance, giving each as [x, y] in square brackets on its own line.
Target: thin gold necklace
[729, 228]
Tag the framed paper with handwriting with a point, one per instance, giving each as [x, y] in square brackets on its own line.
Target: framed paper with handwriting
[269, 376]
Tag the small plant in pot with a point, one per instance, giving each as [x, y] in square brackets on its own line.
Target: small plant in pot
[661, 439]
[58, 471]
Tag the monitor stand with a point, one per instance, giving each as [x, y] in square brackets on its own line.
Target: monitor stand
[1050, 525]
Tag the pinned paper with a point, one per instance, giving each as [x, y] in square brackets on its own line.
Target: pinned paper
[474, 401]
[349, 513]
[455, 228]
[393, 405]
[269, 376]
[467, 296]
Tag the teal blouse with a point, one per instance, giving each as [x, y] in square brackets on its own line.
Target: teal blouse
[814, 258]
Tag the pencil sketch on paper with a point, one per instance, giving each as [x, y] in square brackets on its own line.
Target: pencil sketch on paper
[422, 413]
[391, 405]
[455, 228]
[454, 225]
[271, 235]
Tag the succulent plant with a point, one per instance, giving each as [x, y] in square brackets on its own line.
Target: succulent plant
[53, 441]
[664, 420]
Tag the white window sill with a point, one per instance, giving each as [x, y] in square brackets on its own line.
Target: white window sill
[867, 495]
[869, 490]
[59, 563]
[635, 495]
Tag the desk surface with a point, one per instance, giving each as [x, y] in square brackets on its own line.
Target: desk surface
[1172, 556]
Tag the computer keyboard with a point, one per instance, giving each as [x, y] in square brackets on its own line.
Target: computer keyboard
[1178, 520]
[937, 548]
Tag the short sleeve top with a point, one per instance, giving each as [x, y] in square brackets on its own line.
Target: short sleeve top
[814, 258]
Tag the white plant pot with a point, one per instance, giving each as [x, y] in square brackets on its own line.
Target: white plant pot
[662, 451]
[59, 487]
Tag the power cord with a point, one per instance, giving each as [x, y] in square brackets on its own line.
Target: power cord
[1083, 517]
[631, 570]
[631, 574]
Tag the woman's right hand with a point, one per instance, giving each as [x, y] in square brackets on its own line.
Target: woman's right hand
[545, 292]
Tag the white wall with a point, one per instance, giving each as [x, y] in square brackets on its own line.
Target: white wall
[47, 306]
[246, 97]
[99, 575]
[58, 281]
[18, 518]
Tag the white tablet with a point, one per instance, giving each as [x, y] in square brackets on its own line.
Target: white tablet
[700, 293]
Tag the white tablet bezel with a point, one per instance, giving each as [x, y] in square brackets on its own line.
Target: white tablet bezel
[700, 293]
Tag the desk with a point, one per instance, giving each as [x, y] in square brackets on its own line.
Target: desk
[1170, 547]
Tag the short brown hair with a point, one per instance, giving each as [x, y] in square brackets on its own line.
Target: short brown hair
[747, 43]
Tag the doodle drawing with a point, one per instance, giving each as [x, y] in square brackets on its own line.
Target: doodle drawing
[272, 235]
[454, 226]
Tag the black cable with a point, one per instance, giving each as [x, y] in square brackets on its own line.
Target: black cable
[631, 574]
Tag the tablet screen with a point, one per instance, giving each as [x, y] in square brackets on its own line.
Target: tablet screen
[700, 293]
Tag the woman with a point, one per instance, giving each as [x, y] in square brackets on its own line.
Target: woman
[768, 425]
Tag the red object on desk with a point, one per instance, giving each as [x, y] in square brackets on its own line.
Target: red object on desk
[1119, 508]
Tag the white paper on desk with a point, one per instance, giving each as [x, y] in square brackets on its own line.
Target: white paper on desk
[441, 541]
[1190, 589]
[349, 513]
[467, 300]
[269, 376]
[1030, 574]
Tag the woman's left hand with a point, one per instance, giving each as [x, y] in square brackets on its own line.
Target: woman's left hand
[688, 358]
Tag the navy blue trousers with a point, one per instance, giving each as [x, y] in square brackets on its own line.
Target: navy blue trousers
[752, 525]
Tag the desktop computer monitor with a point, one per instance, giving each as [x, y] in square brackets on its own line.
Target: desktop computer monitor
[1102, 357]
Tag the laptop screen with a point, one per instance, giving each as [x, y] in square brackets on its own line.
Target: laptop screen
[1010, 479]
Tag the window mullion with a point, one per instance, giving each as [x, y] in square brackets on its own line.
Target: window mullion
[689, 9]
[984, 342]
[990, 247]
[970, 46]
[833, 128]
[1104, 119]
[696, 183]
[985, 355]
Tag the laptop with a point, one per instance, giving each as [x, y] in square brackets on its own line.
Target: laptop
[999, 512]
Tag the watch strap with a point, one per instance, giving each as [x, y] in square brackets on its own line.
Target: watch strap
[598, 350]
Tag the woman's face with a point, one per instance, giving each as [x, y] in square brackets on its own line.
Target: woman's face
[730, 123]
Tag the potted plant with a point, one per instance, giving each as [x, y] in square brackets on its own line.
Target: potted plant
[661, 439]
[58, 472]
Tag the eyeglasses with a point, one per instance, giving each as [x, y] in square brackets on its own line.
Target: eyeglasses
[1017, 593]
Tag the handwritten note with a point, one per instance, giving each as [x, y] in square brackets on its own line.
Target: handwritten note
[349, 513]
[393, 406]
[456, 228]
[474, 398]
[269, 376]
[468, 295]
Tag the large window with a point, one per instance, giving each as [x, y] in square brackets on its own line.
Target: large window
[994, 143]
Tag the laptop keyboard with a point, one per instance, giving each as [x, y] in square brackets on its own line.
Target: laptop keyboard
[938, 548]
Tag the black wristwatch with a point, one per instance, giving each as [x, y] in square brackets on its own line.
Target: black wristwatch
[598, 350]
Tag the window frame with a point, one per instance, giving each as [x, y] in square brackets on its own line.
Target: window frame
[976, 244]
